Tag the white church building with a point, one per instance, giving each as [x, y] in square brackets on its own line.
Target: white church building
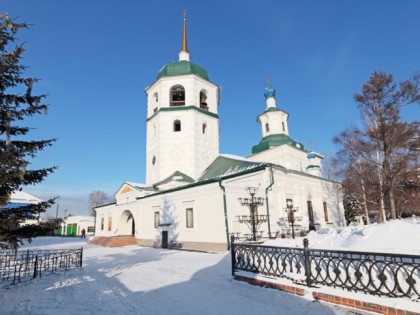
[190, 198]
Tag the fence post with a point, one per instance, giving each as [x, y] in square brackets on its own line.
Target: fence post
[81, 257]
[307, 262]
[27, 260]
[232, 252]
[35, 266]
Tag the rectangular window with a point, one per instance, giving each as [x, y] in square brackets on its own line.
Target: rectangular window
[310, 211]
[325, 211]
[190, 221]
[102, 223]
[157, 219]
[109, 223]
[91, 229]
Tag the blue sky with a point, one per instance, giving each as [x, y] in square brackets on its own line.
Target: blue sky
[95, 58]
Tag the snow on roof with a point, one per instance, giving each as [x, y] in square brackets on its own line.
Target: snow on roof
[79, 218]
[235, 157]
[137, 185]
[19, 196]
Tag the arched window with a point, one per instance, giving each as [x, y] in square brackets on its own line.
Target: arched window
[204, 127]
[177, 96]
[155, 102]
[177, 125]
[203, 99]
[267, 128]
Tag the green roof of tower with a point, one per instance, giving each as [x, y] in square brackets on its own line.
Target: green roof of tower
[274, 141]
[181, 68]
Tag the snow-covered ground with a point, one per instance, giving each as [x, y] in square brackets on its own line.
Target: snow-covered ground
[138, 280]
[397, 236]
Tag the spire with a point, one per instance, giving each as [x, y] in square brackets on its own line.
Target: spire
[184, 33]
[184, 55]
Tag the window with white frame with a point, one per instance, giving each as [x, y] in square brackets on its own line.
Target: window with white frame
[189, 218]
[157, 219]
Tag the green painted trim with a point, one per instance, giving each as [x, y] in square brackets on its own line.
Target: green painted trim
[312, 166]
[272, 109]
[179, 108]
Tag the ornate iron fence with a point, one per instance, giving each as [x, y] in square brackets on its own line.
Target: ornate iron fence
[379, 274]
[26, 265]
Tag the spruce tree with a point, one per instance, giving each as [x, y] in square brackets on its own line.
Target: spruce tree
[17, 102]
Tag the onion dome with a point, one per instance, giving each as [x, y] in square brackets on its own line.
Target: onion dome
[269, 91]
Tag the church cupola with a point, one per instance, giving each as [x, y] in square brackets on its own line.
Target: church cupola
[182, 119]
[273, 122]
[270, 96]
[314, 166]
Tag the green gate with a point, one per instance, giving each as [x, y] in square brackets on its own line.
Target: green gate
[71, 229]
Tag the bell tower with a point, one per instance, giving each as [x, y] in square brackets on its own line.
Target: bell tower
[182, 126]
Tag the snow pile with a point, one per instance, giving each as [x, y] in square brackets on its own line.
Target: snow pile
[397, 236]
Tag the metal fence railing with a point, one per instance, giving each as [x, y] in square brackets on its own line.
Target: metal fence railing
[26, 265]
[381, 274]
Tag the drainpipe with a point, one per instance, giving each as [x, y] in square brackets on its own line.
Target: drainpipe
[266, 199]
[94, 222]
[225, 212]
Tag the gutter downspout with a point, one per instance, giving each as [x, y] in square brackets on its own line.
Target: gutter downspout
[266, 199]
[225, 212]
[94, 225]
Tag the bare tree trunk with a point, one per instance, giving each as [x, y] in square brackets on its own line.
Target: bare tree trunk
[382, 215]
[365, 200]
[392, 204]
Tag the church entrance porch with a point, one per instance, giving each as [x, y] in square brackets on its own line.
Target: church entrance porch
[127, 224]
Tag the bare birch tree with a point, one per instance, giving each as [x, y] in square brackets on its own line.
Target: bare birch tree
[97, 198]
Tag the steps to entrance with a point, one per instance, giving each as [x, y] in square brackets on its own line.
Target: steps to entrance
[114, 241]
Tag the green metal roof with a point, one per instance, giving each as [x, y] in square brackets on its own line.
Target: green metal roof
[180, 68]
[223, 166]
[176, 176]
[272, 109]
[274, 141]
[178, 108]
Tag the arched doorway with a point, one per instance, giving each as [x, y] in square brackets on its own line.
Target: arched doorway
[127, 224]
